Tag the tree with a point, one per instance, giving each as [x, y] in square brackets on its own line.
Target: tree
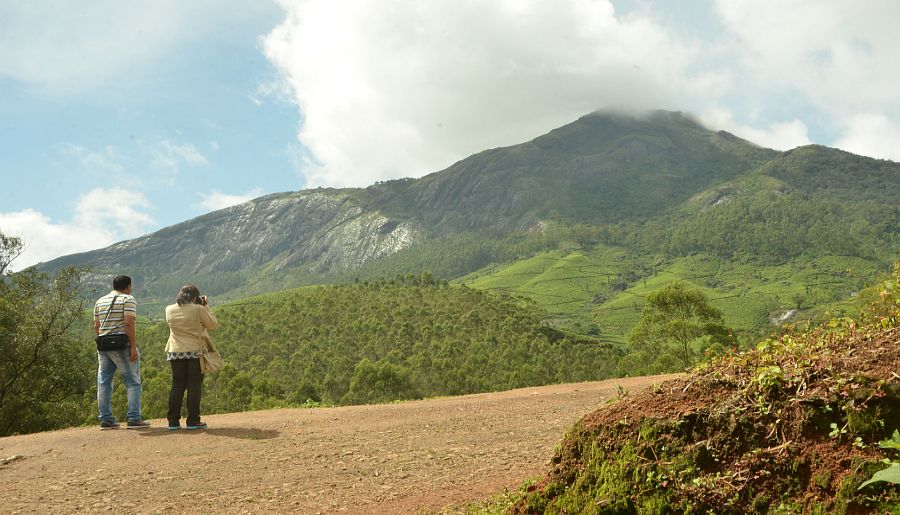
[10, 248]
[676, 325]
[39, 373]
[379, 382]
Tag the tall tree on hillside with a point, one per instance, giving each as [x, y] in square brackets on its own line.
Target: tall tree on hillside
[676, 326]
[37, 371]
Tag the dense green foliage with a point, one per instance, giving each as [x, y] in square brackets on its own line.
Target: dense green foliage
[676, 329]
[776, 229]
[891, 474]
[400, 339]
[37, 380]
[374, 341]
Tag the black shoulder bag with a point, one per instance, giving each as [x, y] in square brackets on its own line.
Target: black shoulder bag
[111, 341]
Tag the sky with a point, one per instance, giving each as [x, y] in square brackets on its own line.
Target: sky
[120, 118]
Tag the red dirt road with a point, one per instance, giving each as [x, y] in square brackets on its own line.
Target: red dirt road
[396, 458]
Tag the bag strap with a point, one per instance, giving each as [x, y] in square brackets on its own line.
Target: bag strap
[108, 311]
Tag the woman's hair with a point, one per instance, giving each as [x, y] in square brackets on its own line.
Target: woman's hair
[189, 294]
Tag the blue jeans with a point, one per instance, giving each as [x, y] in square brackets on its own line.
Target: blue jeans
[109, 361]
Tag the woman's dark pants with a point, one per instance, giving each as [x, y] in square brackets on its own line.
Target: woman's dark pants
[185, 376]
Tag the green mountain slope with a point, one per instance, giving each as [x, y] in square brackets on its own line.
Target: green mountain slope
[602, 291]
[603, 167]
[622, 203]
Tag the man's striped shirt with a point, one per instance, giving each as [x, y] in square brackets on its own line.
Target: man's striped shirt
[125, 305]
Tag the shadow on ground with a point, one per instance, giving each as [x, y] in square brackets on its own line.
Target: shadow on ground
[244, 433]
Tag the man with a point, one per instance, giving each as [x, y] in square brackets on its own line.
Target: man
[114, 314]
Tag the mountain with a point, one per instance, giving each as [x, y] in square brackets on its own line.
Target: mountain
[604, 166]
[584, 218]
[319, 229]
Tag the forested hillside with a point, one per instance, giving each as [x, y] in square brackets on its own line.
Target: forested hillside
[378, 341]
[587, 221]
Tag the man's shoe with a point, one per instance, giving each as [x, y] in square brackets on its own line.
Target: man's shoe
[137, 424]
[174, 428]
[107, 424]
[201, 425]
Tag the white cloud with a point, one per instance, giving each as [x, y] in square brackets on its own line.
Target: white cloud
[114, 208]
[216, 200]
[838, 57]
[106, 159]
[150, 156]
[169, 155]
[407, 88]
[102, 216]
[278, 90]
[871, 135]
[61, 48]
[780, 136]
[45, 240]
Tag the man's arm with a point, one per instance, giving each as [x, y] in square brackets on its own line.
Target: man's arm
[96, 327]
[132, 337]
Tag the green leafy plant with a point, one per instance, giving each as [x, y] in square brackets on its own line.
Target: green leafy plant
[891, 474]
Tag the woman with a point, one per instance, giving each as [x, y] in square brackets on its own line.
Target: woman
[189, 318]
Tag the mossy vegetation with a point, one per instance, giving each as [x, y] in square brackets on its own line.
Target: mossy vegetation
[791, 426]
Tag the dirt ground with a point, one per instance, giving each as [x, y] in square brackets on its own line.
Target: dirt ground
[409, 457]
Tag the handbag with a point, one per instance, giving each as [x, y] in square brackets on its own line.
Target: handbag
[111, 341]
[210, 359]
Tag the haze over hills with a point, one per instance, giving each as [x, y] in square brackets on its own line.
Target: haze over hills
[641, 198]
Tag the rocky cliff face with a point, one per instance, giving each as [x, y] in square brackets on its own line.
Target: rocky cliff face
[317, 229]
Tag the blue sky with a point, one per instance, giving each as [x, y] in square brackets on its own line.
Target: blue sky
[119, 118]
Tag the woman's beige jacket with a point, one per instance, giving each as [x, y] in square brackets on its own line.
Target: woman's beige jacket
[187, 327]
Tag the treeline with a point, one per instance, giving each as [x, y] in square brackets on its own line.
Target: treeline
[383, 340]
[759, 230]
[372, 341]
[780, 228]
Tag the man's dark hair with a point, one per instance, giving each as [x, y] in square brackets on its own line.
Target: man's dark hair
[120, 282]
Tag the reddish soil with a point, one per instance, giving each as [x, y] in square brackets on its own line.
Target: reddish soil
[759, 426]
[398, 458]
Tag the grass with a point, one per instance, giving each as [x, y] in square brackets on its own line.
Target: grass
[602, 291]
[562, 282]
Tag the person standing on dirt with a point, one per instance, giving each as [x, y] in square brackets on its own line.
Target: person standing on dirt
[114, 316]
[189, 319]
